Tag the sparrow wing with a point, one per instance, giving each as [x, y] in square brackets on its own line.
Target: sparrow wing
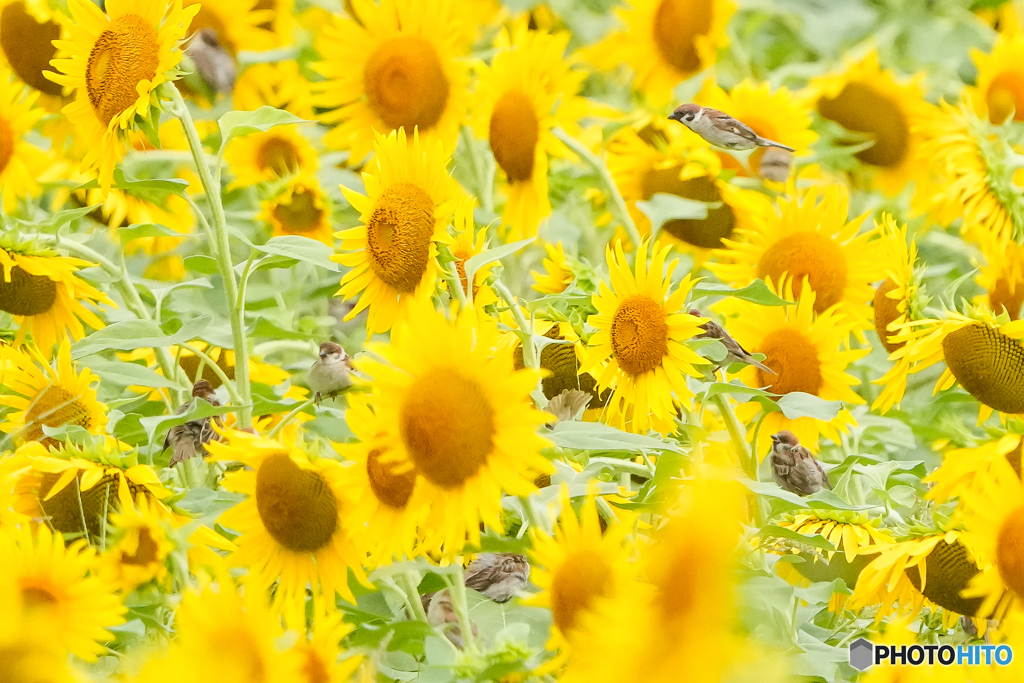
[728, 123]
[824, 476]
[182, 438]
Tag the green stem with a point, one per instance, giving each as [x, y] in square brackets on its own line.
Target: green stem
[618, 203]
[222, 252]
[288, 418]
[411, 589]
[530, 357]
[451, 276]
[457, 590]
[235, 398]
[735, 429]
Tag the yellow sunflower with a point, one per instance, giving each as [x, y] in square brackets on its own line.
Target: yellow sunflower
[44, 294]
[139, 545]
[810, 241]
[20, 161]
[1005, 18]
[1001, 275]
[999, 86]
[965, 469]
[115, 61]
[271, 155]
[558, 273]
[665, 42]
[579, 567]
[527, 90]
[397, 65]
[61, 594]
[638, 349]
[42, 395]
[809, 352]
[27, 31]
[27, 655]
[409, 203]
[449, 405]
[781, 116]
[237, 24]
[658, 158]
[321, 654]
[864, 98]
[281, 85]
[301, 208]
[294, 528]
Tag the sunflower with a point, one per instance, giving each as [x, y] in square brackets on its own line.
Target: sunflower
[60, 596]
[809, 353]
[780, 116]
[397, 65]
[20, 161]
[964, 469]
[409, 203]
[810, 241]
[46, 396]
[139, 545]
[976, 178]
[115, 61]
[44, 294]
[281, 85]
[579, 567]
[321, 654]
[999, 87]
[28, 656]
[301, 208]
[527, 91]
[560, 362]
[293, 526]
[1001, 275]
[278, 153]
[866, 99]
[27, 31]
[664, 159]
[467, 243]
[558, 273]
[638, 350]
[665, 42]
[449, 405]
[237, 24]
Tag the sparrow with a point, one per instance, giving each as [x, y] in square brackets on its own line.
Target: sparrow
[441, 614]
[498, 576]
[189, 438]
[569, 405]
[330, 375]
[793, 466]
[720, 129]
[734, 353]
[774, 165]
[212, 61]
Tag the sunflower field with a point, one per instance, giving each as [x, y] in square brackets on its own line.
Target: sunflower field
[596, 341]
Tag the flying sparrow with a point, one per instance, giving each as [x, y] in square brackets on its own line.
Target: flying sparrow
[734, 353]
[720, 129]
[498, 576]
[569, 405]
[793, 466]
[212, 61]
[774, 164]
[191, 437]
[330, 375]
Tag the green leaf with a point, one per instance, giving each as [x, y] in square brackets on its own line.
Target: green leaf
[756, 292]
[797, 404]
[662, 208]
[239, 123]
[58, 219]
[138, 230]
[200, 263]
[487, 256]
[137, 334]
[299, 248]
[197, 411]
[594, 436]
[122, 374]
[153, 190]
[815, 541]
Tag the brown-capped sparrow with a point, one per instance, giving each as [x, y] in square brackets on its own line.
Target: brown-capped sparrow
[734, 353]
[212, 61]
[720, 129]
[329, 376]
[190, 438]
[793, 466]
[498, 576]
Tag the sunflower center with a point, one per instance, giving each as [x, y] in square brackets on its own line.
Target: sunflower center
[405, 83]
[582, 577]
[861, 108]
[677, 594]
[639, 334]
[279, 156]
[391, 488]
[447, 425]
[1010, 551]
[677, 25]
[811, 255]
[703, 232]
[25, 294]
[123, 56]
[398, 236]
[514, 132]
[563, 364]
[989, 365]
[1001, 298]
[147, 552]
[37, 597]
[53, 407]
[239, 651]
[1005, 97]
[886, 312]
[207, 19]
[948, 570]
[313, 668]
[301, 214]
[795, 358]
[190, 364]
[28, 46]
[68, 508]
[297, 506]
[6, 144]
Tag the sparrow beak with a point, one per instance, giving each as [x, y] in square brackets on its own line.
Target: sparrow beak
[323, 355]
[775, 440]
[674, 116]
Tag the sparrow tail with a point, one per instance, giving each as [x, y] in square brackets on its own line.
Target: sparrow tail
[764, 142]
[761, 366]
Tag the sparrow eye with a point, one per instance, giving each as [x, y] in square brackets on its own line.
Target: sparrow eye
[688, 116]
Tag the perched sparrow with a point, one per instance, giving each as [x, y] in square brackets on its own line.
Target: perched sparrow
[774, 164]
[569, 405]
[189, 438]
[793, 466]
[212, 61]
[720, 129]
[330, 375]
[498, 576]
[734, 353]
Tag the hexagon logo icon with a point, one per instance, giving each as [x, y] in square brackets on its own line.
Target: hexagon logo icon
[861, 654]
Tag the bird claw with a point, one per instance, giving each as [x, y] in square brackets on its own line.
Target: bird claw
[316, 399]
